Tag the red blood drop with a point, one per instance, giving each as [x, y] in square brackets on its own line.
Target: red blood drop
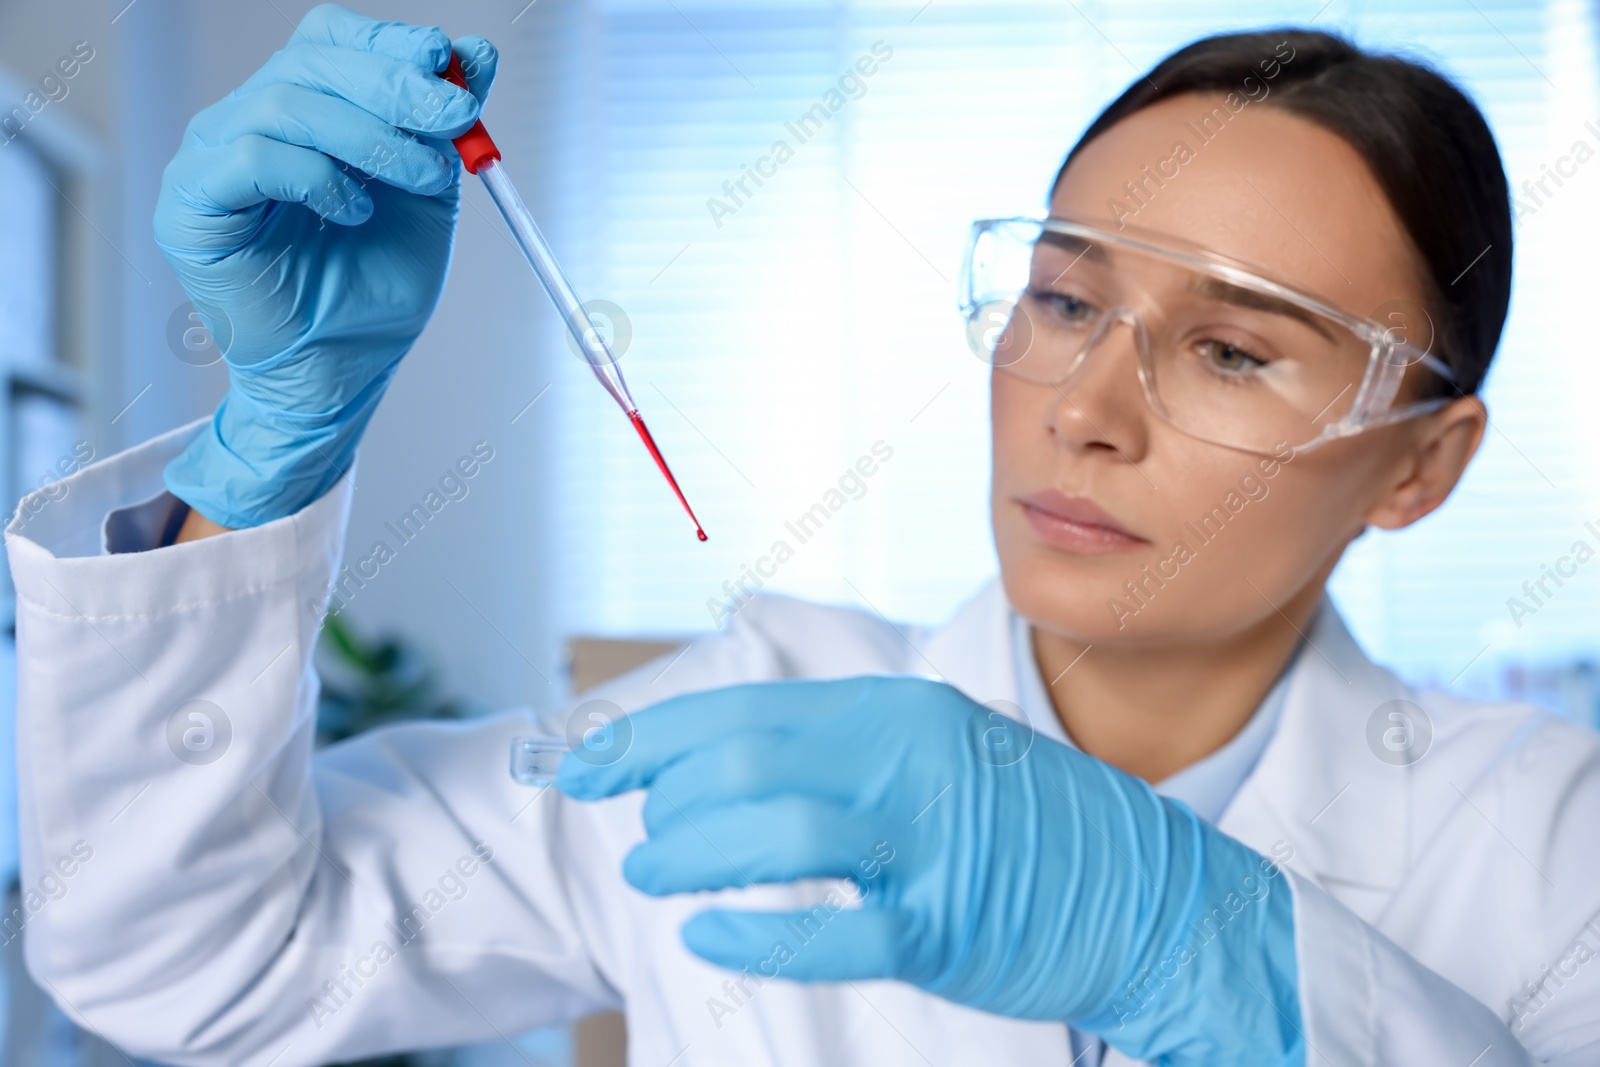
[655, 454]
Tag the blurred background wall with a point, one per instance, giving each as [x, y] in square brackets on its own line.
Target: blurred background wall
[773, 333]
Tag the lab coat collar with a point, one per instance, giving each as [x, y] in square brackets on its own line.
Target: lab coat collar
[1320, 787]
[1317, 786]
[973, 650]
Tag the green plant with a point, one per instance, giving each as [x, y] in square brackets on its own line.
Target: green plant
[374, 682]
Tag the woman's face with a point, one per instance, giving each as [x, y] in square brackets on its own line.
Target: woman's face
[1074, 465]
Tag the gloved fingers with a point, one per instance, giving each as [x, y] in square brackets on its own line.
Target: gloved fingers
[427, 46]
[479, 61]
[667, 732]
[253, 170]
[812, 761]
[330, 24]
[401, 93]
[296, 115]
[827, 943]
[782, 839]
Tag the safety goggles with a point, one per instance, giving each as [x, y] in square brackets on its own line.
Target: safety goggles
[1225, 354]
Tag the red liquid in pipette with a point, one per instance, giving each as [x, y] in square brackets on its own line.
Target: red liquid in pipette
[655, 454]
[477, 149]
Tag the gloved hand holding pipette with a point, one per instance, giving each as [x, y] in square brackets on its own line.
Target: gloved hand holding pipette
[313, 309]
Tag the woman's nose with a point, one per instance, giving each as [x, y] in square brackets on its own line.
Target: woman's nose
[1101, 406]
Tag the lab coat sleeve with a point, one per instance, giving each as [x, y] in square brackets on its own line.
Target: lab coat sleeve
[1365, 1000]
[1485, 952]
[195, 887]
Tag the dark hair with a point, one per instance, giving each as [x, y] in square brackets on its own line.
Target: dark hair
[1425, 142]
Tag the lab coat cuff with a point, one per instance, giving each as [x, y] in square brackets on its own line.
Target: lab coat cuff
[1337, 973]
[1364, 1000]
[69, 553]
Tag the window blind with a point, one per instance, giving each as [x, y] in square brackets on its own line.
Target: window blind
[791, 312]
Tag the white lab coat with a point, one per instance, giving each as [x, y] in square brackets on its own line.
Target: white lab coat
[232, 913]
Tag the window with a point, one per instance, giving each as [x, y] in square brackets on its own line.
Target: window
[790, 311]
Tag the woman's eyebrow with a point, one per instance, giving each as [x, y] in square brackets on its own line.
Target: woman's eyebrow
[1216, 289]
[1076, 246]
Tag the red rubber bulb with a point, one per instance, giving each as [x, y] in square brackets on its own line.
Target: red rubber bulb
[475, 146]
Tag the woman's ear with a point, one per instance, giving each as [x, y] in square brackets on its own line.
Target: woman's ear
[1434, 462]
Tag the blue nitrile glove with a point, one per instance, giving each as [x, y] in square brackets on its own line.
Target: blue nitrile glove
[997, 869]
[312, 231]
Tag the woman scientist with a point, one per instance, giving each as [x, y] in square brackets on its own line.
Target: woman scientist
[1254, 323]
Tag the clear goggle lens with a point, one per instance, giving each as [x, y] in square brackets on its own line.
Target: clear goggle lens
[1224, 355]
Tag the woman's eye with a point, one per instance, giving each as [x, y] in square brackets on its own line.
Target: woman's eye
[1231, 358]
[1065, 306]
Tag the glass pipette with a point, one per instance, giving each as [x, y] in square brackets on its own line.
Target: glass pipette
[480, 156]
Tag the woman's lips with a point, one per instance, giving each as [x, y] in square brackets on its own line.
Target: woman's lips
[1077, 524]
